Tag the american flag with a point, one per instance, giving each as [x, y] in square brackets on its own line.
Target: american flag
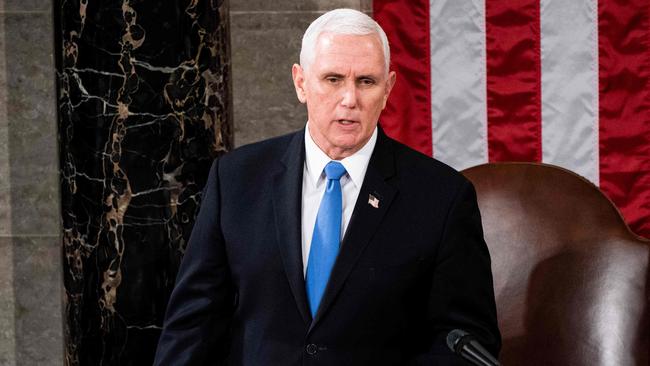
[564, 82]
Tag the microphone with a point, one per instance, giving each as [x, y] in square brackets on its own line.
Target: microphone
[464, 344]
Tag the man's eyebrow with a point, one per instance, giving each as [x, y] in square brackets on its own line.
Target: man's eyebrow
[328, 74]
[338, 75]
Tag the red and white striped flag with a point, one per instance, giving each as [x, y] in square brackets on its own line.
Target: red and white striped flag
[564, 82]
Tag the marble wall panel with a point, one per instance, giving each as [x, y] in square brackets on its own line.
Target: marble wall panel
[31, 123]
[264, 48]
[43, 6]
[289, 5]
[266, 41]
[5, 181]
[366, 6]
[26, 6]
[144, 108]
[7, 303]
[30, 260]
[37, 291]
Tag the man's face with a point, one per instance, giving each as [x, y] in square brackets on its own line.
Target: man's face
[345, 88]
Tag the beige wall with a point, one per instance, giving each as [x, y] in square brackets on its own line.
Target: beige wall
[265, 40]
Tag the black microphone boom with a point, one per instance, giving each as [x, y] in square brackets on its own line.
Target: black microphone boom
[465, 345]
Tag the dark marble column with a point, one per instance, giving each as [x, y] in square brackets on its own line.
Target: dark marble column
[144, 107]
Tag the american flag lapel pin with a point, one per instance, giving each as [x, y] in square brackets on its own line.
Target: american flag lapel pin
[373, 201]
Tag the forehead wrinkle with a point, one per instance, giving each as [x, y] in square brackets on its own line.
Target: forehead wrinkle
[363, 46]
[329, 53]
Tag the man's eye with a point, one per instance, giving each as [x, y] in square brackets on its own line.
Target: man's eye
[332, 80]
[367, 82]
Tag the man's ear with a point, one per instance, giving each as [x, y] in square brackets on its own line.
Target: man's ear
[298, 75]
[392, 76]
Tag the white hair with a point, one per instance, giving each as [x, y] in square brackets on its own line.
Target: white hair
[341, 21]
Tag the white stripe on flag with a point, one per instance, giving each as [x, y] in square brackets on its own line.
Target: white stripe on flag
[569, 39]
[458, 77]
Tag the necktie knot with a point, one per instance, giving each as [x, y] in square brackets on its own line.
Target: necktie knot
[334, 170]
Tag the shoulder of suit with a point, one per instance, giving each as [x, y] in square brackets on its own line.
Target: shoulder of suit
[415, 162]
[260, 152]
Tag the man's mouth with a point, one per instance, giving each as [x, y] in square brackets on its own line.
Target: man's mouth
[346, 122]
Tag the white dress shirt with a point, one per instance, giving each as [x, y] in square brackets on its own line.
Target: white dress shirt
[314, 182]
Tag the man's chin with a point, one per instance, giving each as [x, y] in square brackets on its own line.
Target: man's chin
[347, 145]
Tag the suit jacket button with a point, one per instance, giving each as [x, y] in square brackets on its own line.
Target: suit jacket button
[311, 349]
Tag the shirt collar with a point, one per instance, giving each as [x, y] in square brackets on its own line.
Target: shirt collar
[355, 164]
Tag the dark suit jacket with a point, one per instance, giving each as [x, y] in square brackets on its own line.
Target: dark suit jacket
[407, 272]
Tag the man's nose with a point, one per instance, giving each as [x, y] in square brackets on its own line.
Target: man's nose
[349, 97]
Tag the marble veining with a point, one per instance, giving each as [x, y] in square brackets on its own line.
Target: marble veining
[144, 107]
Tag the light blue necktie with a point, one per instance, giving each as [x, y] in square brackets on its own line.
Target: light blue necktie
[326, 238]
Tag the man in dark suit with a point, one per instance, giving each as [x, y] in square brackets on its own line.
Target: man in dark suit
[334, 245]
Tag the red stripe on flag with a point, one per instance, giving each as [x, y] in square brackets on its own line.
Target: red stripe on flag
[624, 76]
[407, 116]
[513, 80]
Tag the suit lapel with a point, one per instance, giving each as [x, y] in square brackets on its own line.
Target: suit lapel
[364, 221]
[287, 202]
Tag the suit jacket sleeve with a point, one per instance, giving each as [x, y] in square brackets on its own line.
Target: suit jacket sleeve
[461, 295]
[198, 314]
